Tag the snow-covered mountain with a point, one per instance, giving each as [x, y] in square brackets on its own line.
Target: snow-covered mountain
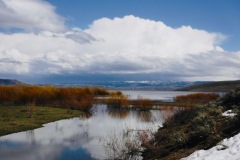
[135, 85]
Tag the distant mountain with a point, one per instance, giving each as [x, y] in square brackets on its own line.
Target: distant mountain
[133, 85]
[220, 86]
[10, 82]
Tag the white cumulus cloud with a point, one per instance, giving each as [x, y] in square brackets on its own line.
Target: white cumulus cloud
[150, 38]
[30, 15]
[127, 45]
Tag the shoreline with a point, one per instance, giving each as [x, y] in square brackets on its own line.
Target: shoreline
[15, 119]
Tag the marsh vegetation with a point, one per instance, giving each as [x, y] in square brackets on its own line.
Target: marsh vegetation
[27, 107]
[69, 97]
[86, 136]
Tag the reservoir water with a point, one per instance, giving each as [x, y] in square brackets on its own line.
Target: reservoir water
[154, 95]
[88, 137]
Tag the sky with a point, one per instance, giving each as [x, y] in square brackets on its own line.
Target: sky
[50, 41]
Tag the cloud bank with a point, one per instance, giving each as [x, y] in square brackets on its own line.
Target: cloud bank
[30, 15]
[127, 45]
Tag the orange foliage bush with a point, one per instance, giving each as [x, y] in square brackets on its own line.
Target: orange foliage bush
[197, 97]
[143, 103]
[117, 99]
[75, 98]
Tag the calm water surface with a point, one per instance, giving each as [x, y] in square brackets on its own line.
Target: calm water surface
[82, 137]
[155, 95]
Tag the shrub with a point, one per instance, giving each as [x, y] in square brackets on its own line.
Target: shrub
[68, 97]
[179, 137]
[117, 99]
[213, 140]
[217, 111]
[202, 125]
[199, 127]
[230, 99]
[143, 104]
[197, 97]
[182, 116]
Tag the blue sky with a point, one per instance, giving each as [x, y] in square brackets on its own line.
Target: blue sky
[45, 41]
[211, 15]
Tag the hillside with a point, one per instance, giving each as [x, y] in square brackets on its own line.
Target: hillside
[132, 85]
[198, 128]
[10, 82]
[220, 86]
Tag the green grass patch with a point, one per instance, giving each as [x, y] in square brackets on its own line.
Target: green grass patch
[16, 118]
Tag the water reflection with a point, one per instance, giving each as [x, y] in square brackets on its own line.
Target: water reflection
[168, 111]
[86, 116]
[117, 112]
[144, 116]
[30, 136]
[126, 145]
[155, 95]
[79, 138]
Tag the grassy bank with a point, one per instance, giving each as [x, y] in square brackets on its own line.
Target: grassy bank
[28, 107]
[18, 118]
[195, 128]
